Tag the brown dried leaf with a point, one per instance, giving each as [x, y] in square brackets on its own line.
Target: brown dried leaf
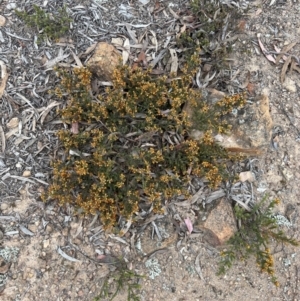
[294, 66]
[140, 60]
[157, 6]
[241, 26]
[251, 88]
[284, 50]
[4, 267]
[142, 57]
[264, 50]
[285, 68]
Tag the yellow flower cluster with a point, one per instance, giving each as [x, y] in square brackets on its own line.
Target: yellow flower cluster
[84, 77]
[266, 263]
[207, 138]
[81, 168]
[212, 174]
[229, 102]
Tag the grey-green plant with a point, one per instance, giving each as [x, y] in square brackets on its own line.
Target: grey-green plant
[258, 228]
[47, 25]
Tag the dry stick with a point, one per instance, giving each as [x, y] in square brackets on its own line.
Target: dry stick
[296, 282]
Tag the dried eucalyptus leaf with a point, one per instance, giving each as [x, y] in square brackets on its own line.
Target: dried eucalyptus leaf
[64, 255]
[26, 231]
[284, 69]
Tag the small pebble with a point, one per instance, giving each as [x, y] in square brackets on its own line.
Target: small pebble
[26, 173]
[11, 6]
[3, 206]
[32, 227]
[49, 229]
[2, 21]
[46, 243]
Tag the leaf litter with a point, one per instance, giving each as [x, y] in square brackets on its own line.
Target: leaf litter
[288, 59]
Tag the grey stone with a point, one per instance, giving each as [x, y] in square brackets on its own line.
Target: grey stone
[104, 60]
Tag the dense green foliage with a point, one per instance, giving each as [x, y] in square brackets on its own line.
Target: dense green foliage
[47, 25]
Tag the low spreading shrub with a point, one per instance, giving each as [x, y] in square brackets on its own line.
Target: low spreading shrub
[133, 142]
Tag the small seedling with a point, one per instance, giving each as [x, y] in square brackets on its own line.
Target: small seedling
[122, 279]
[47, 25]
[258, 228]
[215, 20]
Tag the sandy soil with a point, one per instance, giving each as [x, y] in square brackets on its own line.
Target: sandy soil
[40, 272]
